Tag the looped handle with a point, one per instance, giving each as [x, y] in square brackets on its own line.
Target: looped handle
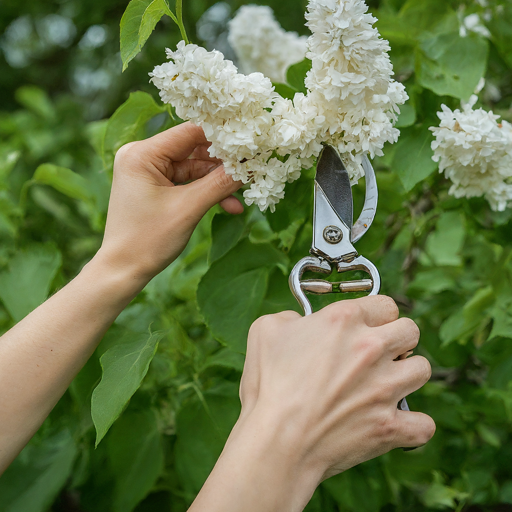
[314, 264]
[310, 263]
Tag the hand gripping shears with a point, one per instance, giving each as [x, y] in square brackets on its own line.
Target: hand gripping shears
[335, 233]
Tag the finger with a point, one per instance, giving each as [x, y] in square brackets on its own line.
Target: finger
[414, 429]
[189, 170]
[212, 189]
[202, 153]
[174, 145]
[402, 336]
[410, 375]
[232, 205]
[378, 310]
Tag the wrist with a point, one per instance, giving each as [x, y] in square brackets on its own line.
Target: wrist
[267, 467]
[124, 281]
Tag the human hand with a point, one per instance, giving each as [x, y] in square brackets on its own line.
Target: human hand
[333, 381]
[319, 396]
[150, 218]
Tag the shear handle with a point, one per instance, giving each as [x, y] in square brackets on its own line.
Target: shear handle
[314, 264]
[319, 287]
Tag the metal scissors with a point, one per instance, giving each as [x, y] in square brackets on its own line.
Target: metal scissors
[335, 233]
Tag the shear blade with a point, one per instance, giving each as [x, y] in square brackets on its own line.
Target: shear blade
[333, 178]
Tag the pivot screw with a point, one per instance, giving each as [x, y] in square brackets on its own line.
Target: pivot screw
[333, 235]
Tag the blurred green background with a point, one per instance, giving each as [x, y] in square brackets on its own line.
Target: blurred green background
[447, 262]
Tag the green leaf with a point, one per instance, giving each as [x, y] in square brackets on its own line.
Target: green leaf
[448, 64]
[415, 17]
[499, 26]
[457, 327]
[128, 123]
[502, 321]
[279, 297]
[434, 281]
[36, 477]
[232, 291]
[420, 15]
[136, 455]
[362, 489]
[231, 309]
[137, 23]
[413, 156]
[225, 358]
[202, 428]
[285, 91]
[464, 322]
[26, 283]
[64, 180]
[488, 435]
[445, 244]
[226, 233]
[37, 100]
[297, 205]
[440, 496]
[96, 133]
[480, 301]
[407, 116]
[124, 367]
[296, 75]
[261, 232]
[8, 159]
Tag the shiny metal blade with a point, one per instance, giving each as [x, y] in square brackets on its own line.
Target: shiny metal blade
[332, 177]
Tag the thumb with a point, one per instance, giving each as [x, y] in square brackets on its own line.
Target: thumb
[212, 189]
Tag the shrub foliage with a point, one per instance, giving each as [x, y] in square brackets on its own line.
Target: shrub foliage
[141, 426]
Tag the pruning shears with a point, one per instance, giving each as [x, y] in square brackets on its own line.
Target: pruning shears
[335, 233]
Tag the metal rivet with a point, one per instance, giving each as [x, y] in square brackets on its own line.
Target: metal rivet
[333, 235]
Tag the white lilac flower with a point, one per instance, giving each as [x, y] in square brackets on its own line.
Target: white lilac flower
[475, 153]
[266, 140]
[208, 90]
[351, 79]
[261, 44]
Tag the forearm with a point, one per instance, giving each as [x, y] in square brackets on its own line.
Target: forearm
[42, 354]
[262, 468]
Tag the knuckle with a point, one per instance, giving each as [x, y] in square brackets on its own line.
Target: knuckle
[126, 153]
[412, 329]
[386, 427]
[262, 324]
[371, 347]
[424, 368]
[385, 392]
[390, 306]
[288, 315]
[342, 312]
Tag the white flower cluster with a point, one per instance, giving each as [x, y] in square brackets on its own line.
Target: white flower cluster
[475, 153]
[266, 140]
[237, 113]
[350, 81]
[261, 44]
